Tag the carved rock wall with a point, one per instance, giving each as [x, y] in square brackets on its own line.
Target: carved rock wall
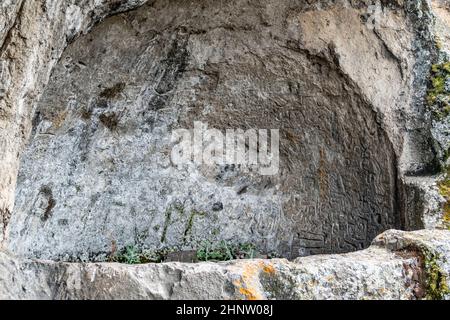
[86, 109]
[105, 121]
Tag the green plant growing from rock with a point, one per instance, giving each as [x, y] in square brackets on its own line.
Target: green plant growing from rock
[130, 255]
[134, 255]
[207, 251]
[224, 251]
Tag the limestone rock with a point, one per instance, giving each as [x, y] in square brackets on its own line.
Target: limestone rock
[90, 92]
[33, 35]
[390, 269]
[106, 116]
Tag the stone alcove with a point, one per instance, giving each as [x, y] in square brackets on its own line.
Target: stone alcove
[92, 177]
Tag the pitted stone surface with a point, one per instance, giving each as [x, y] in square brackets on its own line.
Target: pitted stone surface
[383, 271]
[106, 117]
[33, 35]
[80, 192]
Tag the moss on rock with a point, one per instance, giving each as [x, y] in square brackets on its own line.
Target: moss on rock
[444, 190]
[436, 278]
[438, 97]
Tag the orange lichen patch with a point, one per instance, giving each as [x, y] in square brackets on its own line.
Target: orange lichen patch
[249, 284]
[249, 294]
[382, 291]
[268, 268]
[248, 290]
[237, 283]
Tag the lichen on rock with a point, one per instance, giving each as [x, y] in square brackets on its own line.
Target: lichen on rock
[439, 94]
[436, 279]
[90, 92]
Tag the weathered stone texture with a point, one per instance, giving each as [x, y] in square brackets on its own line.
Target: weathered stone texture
[106, 116]
[390, 269]
[33, 35]
[117, 93]
[86, 112]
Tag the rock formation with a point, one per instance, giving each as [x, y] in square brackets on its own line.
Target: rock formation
[399, 265]
[91, 91]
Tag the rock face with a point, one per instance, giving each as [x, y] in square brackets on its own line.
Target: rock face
[393, 268]
[33, 35]
[88, 105]
[106, 117]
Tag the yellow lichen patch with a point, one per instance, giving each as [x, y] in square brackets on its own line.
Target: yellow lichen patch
[330, 278]
[438, 43]
[249, 284]
[444, 190]
[312, 283]
[438, 97]
[268, 268]
[436, 279]
[447, 214]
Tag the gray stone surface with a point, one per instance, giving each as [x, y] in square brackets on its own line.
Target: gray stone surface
[423, 203]
[105, 121]
[441, 126]
[32, 38]
[390, 269]
[106, 117]
[86, 109]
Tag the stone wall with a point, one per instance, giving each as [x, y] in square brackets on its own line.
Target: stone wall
[94, 170]
[87, 104]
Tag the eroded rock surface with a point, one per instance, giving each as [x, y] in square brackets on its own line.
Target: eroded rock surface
[393, 268]
[361, 146]
[106, 117]
[33, 35]
[105, 121]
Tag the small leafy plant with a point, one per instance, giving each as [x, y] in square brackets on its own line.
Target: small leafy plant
[207, 251]
[223, 251]
[134, 255]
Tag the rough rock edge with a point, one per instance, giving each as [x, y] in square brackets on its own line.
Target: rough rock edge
[435, 198]
[425, 190]
[243, 279]
[397, 266]
[18, 32]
